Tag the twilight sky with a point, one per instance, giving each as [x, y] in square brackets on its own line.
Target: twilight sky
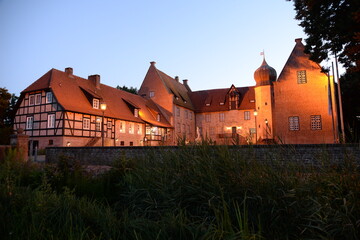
[212, 43]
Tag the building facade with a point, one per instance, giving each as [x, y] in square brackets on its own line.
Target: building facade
[61, 109]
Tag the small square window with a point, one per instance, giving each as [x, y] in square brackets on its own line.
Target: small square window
[301, 77]
[294, 124]
[151, 94]
[136, 112]
[122, 143]
[316, 122]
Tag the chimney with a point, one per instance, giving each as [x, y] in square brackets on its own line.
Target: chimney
[185, 83]
[95, 79]
[69, 70]
[152, 63]
[177, 78]
[298, 40]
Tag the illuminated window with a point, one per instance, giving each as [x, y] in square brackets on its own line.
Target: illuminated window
[86, 123]
[136, 112]
[158, 117]
[294, 123]
[151, 94]
[207, 118]
[109, 124]
[221, 117]
[29, 122]
[301, 77]
[122, 126]
[139, 129]
[247, 115]
[96, 103]
[49, 97]
[31, 100]
[131, 128]
[38, 99]
[51, 121]
[315, 122]
[98, 124]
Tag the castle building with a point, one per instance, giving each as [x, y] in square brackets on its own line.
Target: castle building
[61, 109]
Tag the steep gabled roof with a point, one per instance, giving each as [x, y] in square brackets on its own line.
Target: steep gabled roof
[71, 93]
[298, 59]
[215, 100]
[180, 92]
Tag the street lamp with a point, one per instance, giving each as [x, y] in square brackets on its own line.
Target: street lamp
[255, 114]
[103, 108]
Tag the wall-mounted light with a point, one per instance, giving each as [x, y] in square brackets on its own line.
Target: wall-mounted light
[68, 144]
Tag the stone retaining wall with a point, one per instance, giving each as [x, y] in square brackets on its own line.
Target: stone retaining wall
[305, 154]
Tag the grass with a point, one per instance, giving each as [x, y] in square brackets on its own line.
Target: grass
[199, 192]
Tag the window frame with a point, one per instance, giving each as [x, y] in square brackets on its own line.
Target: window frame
[38, 98]
[31, 100]
[301, 77]
[86, 123]
[49, 97]
[207, 118]
[221, 117]
[29, 122]
[96, 103]
[247, 115]
[315, 122]
[51, 120]
[294, 125]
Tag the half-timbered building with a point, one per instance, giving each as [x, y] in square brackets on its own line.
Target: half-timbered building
[61, 109]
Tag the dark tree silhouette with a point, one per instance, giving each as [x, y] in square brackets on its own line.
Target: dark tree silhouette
[130, 90]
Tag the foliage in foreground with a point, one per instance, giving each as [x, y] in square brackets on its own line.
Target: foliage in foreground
[199, 192]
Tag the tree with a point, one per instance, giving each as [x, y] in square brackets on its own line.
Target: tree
[350, 85]
[333, 28]
[130, 90]
[7, 113]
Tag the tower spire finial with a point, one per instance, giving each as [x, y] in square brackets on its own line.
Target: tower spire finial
[263, 54]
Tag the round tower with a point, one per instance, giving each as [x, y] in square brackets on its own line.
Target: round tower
[264, 102]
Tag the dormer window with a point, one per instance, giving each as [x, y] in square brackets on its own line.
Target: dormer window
[151, 94]
[136, 112]
[208, 104]
[221, 103]
[96, 103]
[158, 117]
[233, 100]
